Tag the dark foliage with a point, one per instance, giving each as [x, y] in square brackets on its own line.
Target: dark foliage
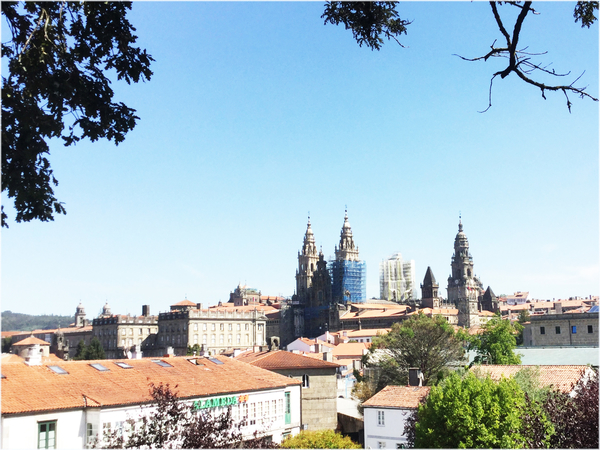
[26, 322]
[175, 424]
[90, 352]
[59, 60]
[575, 419]
[427, 343]
[369, 21]
[6, 344]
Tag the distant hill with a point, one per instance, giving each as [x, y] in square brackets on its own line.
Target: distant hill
[26, 322]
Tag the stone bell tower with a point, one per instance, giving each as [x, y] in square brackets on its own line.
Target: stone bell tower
[464, 288]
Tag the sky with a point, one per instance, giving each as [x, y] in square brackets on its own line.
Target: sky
[258, 115]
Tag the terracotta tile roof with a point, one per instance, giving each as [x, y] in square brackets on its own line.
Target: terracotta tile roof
[362, 333]
[184, 303]
[38, 388]
[562, 378]
[352, 349]
[246, 308]
[398, 397]
[284, 360]
[9, 333]
[31, 340]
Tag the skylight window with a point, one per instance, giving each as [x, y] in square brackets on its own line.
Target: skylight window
[123, 365]
[99, 367]
[215, 360]
[195, 361]
[161, 363]
[57, 369]
[2, 375]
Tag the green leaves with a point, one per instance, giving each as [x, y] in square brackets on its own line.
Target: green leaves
[59, 59]
[497, 342]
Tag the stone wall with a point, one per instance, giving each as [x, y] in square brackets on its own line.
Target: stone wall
[579, 329]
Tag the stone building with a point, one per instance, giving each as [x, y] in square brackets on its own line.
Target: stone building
[319, 383]
[465, 291]
[313, 309]
[578, 329]
[123, 335]
[215, 330]
[429, 291]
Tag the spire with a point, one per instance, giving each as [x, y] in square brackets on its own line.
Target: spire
[346, 250]
[429, 279]
[309, 247]
[459, 222]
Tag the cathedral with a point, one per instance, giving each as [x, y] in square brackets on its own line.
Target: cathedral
[465, 290]
[322, 287]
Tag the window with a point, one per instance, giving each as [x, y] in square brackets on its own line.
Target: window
[123, 365]
[203, 327]
[229, 339]
[274, 409]
[195, 339]
[195, 327]
[252, 413]
[204, 339]
[239, 339]
[380, 444]
[229, 327]
[288, 408]
[557, 330]
[141, 331]
[123, 332]
[91, 432]
[99, 367]
[239, 327]
[266, 410]
[590, 328]
[106, 429]
[221, 339]
[574, 329]
[47, 434]
[131, 331]
[247, 327]
[247, 339]
[305, 381]
[58, 370]
[213, 339]
[381, 418]
[222, 327]
[213, 327]
[542, 330]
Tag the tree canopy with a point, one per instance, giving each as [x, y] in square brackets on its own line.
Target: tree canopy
[427, 343]
[319, 439]
[472, 412]
[370, 22]
[61, 58]
[90, 352]
[497, 342]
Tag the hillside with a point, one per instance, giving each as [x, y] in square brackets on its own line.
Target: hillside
[27, 322]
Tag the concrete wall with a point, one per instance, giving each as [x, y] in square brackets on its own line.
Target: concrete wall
[319, 399]
[542, 330]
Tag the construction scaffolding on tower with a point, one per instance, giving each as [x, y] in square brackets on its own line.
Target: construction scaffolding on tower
[349, 281]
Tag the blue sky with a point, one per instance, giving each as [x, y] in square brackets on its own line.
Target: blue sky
[257, 113]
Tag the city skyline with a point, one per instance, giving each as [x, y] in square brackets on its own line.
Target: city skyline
[257, 113]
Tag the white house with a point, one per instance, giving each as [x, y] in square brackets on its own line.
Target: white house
[68, 404]
[386, 412]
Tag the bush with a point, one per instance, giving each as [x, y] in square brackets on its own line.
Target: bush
[319, 439]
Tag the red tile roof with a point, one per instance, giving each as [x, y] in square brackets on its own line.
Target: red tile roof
[562, 378]
[38, 388]
[184, 303]
[284, 360]
[31, 340]
[398, 397]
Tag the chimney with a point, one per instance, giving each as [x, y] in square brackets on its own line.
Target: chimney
[558, 308]
[199, 306]
[145, 310]
[415, 377]
[34, 355]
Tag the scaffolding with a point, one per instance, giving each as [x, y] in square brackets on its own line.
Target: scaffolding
[397, 279]
[349, 281]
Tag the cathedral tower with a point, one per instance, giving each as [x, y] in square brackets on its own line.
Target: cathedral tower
[429, 291]
[348, 272]
[307, 263]
[464, 288]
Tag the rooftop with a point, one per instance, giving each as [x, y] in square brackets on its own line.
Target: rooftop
[398, 397]
[83, 384]
[283, 360]
[563, 378]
